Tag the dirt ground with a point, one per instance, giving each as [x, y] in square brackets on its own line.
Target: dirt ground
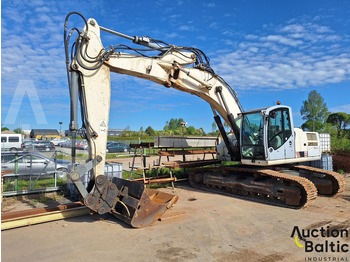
[202, 226]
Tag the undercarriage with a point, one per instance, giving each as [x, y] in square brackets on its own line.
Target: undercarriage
[289, 186]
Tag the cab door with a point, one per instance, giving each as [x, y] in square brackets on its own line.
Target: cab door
[280, 138]
[289, 137]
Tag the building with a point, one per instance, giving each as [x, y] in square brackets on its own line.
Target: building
[111, 132]
[115, 132]
[45, 134]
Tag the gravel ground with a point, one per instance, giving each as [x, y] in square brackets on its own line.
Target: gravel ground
[202, 226]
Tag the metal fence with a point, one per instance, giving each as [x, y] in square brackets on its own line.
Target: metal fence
[32, 172]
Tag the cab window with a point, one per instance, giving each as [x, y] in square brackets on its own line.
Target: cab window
[279, 127]
[252, 136]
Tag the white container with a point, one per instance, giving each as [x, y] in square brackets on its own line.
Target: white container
[325, 142]
[113, 169]
[327, 162]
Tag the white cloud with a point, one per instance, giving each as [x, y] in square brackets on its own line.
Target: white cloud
[209, 5]
[294, 56]
[342, 108]
[172, 35]
[185, 28]
[282, 40]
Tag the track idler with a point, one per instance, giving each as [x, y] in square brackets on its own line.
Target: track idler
[328, 183]
[129, 201]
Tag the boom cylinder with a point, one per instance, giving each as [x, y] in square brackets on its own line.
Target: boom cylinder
[74, 127]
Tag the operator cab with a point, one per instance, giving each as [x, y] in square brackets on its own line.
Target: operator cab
[267, 134]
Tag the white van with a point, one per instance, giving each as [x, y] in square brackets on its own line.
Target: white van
[12, 142]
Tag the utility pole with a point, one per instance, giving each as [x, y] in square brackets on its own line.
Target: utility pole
[60, 126]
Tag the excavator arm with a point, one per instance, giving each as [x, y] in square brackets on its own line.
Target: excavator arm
[185, 69]
[89, 67]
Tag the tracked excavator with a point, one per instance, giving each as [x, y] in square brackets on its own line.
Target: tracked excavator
[264, 141]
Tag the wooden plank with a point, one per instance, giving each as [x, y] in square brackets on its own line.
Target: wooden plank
[40, 210]
[185, 152]
[43, 217]
[179, 164]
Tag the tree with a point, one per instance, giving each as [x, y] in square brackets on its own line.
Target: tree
[227, 127]
[214, 127]
[141, 131]
[18, 131]
[314, 109]
[173, 124]
[340, 121]
[150, 131]
[190, 130]
[4, 129]
[310, 125]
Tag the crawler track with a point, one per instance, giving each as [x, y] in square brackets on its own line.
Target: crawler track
[337, 180]
[261, 185]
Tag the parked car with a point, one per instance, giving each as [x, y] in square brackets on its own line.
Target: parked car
[56, 141]
[11, 142]
[114, 147]
[82, 144]
[66, 143]
[38, 145]
[33, 163]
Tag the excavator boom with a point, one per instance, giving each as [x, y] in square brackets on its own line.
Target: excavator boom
[263, 138]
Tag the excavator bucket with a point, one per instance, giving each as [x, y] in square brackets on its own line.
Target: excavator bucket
[128, 200]
[139, 206]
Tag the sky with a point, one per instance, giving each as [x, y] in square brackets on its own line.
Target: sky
[268, 51]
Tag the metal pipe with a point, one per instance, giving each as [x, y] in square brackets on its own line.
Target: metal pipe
[194, 78]
[145, 41]
[116, 33]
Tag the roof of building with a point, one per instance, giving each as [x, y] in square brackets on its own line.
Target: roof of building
[44, 132]
[7, 132]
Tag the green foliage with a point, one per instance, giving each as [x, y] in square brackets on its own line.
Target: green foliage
[173, 124]
[340, 121]
[214, 127]
[18, 131]
[314, 110]
[190, 130]
[312, 126]
[25, 184]
[340, 144]
[150, 131]
[4, 129]
[171, 128]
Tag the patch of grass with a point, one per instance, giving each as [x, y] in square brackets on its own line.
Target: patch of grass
[43, 199]
[9, 185]
[229, 163]
[158, 185]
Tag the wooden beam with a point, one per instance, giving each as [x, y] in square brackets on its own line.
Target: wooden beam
[43, 217]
